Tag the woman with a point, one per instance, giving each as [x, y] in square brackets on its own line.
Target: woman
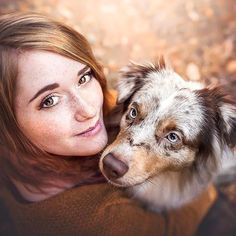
[52, 103]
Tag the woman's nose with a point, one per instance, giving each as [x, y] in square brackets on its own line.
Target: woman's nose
[84, 110]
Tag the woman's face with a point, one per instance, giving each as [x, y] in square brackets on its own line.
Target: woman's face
[58, 104]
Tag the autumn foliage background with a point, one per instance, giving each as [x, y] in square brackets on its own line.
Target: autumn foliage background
[198, 37]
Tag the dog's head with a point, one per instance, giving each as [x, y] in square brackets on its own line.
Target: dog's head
[168, 124]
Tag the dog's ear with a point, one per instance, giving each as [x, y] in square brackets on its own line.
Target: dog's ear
[133, 77]
[222, 110]
[131, 81]
[228, 111]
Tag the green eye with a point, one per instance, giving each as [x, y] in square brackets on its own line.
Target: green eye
[85, 78]
[49, 102]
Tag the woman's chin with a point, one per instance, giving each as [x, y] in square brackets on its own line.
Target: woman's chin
[80, 146]
[93, 147]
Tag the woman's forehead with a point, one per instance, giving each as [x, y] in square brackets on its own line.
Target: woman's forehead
[41, 62]
[38, 68]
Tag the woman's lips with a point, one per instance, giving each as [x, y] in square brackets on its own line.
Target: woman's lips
[92, 130]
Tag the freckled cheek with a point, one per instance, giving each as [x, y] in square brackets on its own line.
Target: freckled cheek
[47, 129]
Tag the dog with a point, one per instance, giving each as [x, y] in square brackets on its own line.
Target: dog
[173, 134]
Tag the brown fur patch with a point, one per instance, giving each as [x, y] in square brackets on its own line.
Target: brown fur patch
[165, 126]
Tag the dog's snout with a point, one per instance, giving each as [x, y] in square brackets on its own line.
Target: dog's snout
[113, 167]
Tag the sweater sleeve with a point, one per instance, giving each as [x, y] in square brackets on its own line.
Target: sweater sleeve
[102, 210]
[126, 217]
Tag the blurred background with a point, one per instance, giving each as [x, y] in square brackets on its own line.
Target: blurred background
[198, 37]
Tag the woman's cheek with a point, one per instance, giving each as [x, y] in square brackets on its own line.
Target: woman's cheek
[47, 128]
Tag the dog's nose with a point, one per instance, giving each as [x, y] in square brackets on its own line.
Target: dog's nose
[113, 167]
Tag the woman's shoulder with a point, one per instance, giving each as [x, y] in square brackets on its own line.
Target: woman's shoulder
[101, 209]
[85, 210]
[91, 193]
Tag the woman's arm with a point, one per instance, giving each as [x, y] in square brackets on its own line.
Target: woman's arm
[103, 210]
[126, 216]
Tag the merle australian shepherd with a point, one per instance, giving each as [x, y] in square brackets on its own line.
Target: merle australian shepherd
[173, 134]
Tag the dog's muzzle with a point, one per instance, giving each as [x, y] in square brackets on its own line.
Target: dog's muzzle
[113, 168]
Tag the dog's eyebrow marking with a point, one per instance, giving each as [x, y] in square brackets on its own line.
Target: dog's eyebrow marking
[135, 104]
[167, 125]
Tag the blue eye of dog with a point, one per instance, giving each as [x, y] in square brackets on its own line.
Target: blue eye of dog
[133, 113]
[173, 137]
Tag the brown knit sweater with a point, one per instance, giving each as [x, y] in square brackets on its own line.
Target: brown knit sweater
[99, 209]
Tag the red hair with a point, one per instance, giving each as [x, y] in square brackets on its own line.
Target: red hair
[20, 159]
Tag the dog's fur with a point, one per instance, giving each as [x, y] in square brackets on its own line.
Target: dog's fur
[163, 173]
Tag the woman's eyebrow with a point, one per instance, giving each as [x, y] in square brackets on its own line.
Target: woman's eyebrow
[83, 70]
[55, 85]
[42, 90]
